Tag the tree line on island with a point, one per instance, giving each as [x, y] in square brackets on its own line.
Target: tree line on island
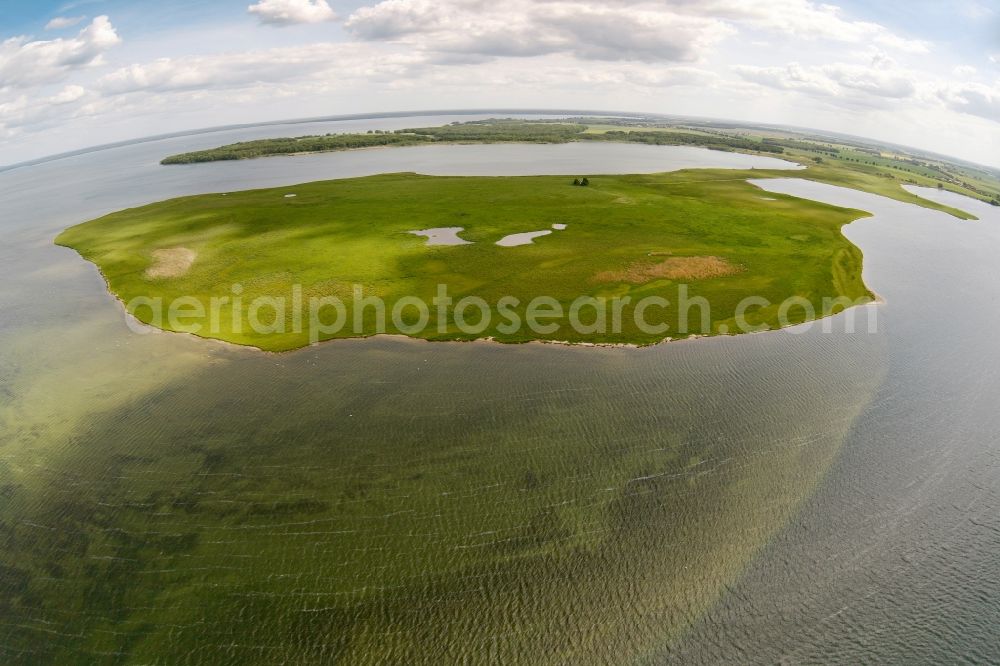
[822, 154]
[482, 131]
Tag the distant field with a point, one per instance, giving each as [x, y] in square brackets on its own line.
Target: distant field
[630, 236]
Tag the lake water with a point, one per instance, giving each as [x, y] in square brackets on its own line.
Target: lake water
[442, 236]
[523, 238]
[788, 497]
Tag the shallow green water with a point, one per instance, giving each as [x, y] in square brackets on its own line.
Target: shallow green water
[168, 500]
[382, 498]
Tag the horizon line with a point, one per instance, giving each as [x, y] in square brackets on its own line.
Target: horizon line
[469, 112]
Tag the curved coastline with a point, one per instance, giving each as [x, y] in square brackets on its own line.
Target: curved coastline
[755, 471]
[876, 300]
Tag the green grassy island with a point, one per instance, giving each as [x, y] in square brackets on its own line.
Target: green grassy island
[690, 237]
[634, 236]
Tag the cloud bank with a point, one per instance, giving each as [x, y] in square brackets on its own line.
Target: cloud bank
[791, 61]
[291, 12]
[26, 63]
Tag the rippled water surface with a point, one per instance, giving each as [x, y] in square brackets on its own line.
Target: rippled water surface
[798, 496]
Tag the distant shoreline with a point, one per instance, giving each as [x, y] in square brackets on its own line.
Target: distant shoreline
[488, 111]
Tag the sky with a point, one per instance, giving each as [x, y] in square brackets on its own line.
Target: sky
[78, 73]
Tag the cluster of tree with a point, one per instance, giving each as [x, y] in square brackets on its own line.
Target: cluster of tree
[499, 131]
[305, 144]
[584, 182]
[992, 201]
[972, 188]
[721, 142]
[802, 145]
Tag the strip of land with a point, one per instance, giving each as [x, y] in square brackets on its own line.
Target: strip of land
[866, 166]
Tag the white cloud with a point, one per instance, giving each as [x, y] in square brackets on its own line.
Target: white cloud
[851, 84]
[881, 84]
[974, 99]
[24, 111]
[291, 12]
[790, 77]
[916, 46]
[645, 30]
[392, 19]
[63, 22]
[68, 95]
[193, 73]
[522, 28]
[976, 11]
[240, 70]
[10, 109]
[803, 19]
[26, 63]
[892, 83]
[642, 77]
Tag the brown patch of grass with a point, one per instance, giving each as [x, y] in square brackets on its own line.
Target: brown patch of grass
[171, 262]
[674, 268]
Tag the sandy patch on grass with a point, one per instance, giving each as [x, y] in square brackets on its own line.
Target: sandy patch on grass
[171, 262]
[674, 268]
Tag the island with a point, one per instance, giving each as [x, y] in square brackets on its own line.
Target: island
[696, 242]
[580, 259]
